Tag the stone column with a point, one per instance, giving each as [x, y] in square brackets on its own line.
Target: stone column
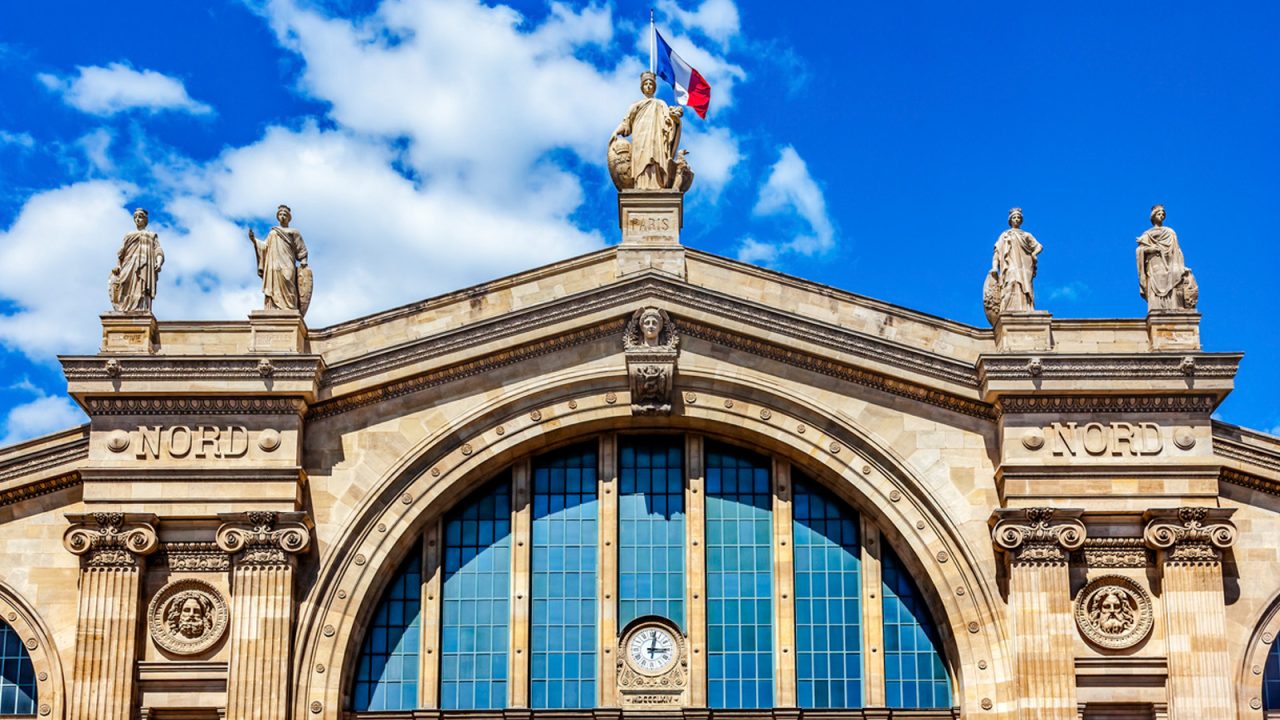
[1190, 541]
[264, 546]
[784, 601]
[112, 547]
[1038, 542]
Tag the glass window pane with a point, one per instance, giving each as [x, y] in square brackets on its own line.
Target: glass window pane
[651, 528]
[476, 611]
[1271, 680]
[387, 672]
[828, 598]
[915, 675]
[564, 573]
[739, 571]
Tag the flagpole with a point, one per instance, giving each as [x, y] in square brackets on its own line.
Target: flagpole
[653, 45]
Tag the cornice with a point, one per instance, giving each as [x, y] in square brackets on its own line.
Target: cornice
[1229, 441]
[40, 460]
[629, 293]
[1250, 482]
[478, 366]
[18, 494]
[1144, 404]
[1146, 366]
[82, 368]
[102, 406]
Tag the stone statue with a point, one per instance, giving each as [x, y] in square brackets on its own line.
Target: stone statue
[282, 265]
[652, 159]
[132, 284]
[1164, 280]
[1013, 268]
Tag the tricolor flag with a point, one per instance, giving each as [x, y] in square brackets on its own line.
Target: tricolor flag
[691, 89]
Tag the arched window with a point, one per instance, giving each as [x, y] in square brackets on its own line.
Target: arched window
[1271, 680]
[17, 675]
[527, 563]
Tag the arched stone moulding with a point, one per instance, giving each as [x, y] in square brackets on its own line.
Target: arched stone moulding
[537, 416]
[1249, 680]
[50, 686]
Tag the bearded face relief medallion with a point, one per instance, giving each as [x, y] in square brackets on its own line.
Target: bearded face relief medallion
[1114, 612]
[187, 616]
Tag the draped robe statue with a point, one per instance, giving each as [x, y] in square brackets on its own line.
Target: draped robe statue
[651, 160]
[132, 284]
[282, 265]
[1164, 279]
[1013, 268]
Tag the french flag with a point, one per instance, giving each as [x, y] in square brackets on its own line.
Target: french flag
[692, 89]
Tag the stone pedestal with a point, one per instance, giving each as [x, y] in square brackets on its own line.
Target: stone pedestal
[129, 333]
[1173, 330]
[1038, 542]
[112, 549]
[1190, 541]
[651, 221]
[264, 546]
[1024, 331]
[277, 331]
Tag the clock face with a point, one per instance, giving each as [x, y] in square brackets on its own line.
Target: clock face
[652, 649]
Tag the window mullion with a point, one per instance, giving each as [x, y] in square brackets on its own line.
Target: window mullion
[607, 575]
[521, 581]
[696, 570]
[872, 616]
[429, 650]
[784, 626]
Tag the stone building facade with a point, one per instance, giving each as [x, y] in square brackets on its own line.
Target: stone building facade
[647, 480]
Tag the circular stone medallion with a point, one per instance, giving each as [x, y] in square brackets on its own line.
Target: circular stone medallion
[187, 616]
[1114, 612]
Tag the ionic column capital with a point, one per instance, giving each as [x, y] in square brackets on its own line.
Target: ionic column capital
[264, 538]
[1040, 536]
[1190, 535]
[111, 539]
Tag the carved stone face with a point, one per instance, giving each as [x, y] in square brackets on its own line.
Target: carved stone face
[283, 216]
[1015, 219]
[651, 328]
[1113, 614]
[140, 220]
[1157, 215]
[648, 86]
[191, 619]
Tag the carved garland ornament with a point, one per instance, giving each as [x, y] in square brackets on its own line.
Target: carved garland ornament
[1114, 612]
[187, 616]
[651, 344]
[1038, 535]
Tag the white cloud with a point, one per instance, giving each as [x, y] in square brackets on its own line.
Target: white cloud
[441, 165]
[717, 19]
[117, 87]
[43, 415]
[791, 193]
[22, 140]
[1069, 292]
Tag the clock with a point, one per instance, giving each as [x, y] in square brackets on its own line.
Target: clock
[652, 649]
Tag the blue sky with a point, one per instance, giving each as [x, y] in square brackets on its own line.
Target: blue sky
[425, 145]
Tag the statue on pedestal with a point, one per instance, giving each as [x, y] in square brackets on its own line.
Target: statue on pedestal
[652, 159]
[1164, 280]
[282, 265]
[132, 284]
[1013, 268]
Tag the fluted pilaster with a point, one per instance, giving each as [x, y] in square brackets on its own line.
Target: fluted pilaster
[112, 549]
[1038, 542]
[264, 546]
[1190, 541]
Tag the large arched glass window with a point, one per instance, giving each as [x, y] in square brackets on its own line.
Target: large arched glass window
[17, 675]
[1271, 680]
[522, 581]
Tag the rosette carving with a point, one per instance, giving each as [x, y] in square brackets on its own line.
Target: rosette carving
[264, 538]
[1190, 534]
[1038, 535]
[111, 539]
